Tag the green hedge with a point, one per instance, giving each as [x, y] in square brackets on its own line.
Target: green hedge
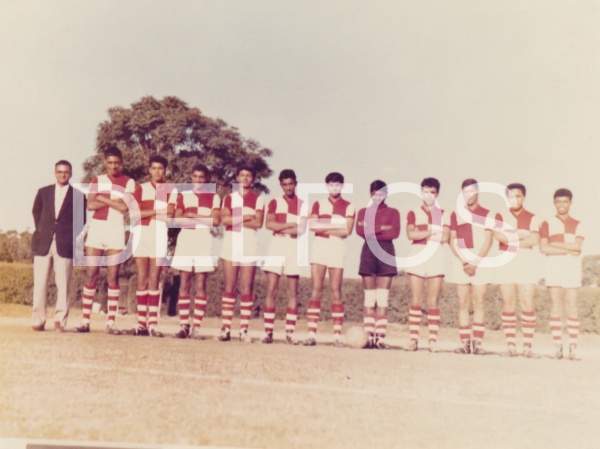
[16, 285]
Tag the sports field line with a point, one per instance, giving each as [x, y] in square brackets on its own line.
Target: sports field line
[317, 387]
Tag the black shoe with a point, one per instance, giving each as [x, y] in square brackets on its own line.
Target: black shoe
[464, 349]
[137, 332]
[184, 332]
[83, 329]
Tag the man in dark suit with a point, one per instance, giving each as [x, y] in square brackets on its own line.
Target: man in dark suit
[52, 245]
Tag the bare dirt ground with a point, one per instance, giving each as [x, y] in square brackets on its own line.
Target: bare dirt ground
[166, 392]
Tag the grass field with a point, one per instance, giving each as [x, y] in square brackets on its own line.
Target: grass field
[166, 392]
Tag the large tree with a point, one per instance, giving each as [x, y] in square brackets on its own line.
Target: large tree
[181, 134]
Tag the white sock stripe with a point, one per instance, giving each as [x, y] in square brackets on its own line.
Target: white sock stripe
[290, 317]
[153, 292]
[368, 320]
[153, 308]
[269, 316]
[89, 291]
[337, 314]
[315, 311]
[227, 300]
[201, 302]
[247, 304]
[337, 327]
[87, 301]
[141, 292]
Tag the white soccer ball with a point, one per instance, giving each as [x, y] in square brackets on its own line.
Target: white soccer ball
[356, 337]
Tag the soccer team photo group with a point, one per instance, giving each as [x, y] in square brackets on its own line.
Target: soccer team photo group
[469, 246]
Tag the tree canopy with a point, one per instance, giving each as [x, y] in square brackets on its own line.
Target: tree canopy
[181, 134]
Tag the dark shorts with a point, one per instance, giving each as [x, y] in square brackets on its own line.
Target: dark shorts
[371, 265]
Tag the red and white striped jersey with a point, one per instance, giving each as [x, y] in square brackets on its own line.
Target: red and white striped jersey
[249, 204]
[326, 210]
[202, 203]
[557, 230]
[112, 187]
[471, 233]
[149, 197]
[287, 210]
[422, 218]
[524, 220]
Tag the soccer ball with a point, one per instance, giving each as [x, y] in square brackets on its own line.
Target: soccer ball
[356, 337]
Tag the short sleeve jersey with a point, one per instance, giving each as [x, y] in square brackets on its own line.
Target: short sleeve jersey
[422, 218]
[249, 204]
[287, 210]
[327, 210]
[112, 187]
[199, 203]
[471, 233]
[561, 231]
[149, 197]
[524, 221]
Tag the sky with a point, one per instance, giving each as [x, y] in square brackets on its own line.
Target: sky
[394, 90]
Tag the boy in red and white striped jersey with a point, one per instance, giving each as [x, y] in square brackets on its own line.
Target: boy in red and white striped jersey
[561, 239]
[106, 236]
[156, 200]
[379, 225]
[332, 220]
[242, 214]
[286, 217]
[521, 272]
[470, 241]
[197, 211]
[424, 225]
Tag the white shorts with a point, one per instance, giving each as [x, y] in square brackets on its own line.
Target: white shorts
[241, 248]
[194, 251]
[457, 274]
[563, 271]
[150, 241]
[105, 235]
[285, 250]
[524, 269]
[433, 266]
[330, 252]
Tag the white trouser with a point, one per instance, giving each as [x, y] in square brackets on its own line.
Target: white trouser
[62, 275]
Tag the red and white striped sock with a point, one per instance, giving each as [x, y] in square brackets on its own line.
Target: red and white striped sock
[381, 325]
[369, 323]
[112, 303]
[414, 322]
[433, 324]
[556, 329]
[312, 315]
[142, 307]
[337, 315]
[573, 328]
[183, 305]
[87, 300]
[464, 333]
[269, 318]
[478, 331]
[199, 309]
[153, 305]
[246, 303]
[528, 321]
[509, 325]
[291, 317]
[227, 305]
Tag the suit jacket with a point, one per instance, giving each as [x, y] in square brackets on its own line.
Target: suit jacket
[48, 227]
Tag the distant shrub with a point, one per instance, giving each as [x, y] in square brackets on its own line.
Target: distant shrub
[16, 286]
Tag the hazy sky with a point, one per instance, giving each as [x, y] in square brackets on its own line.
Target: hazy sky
[398, 90]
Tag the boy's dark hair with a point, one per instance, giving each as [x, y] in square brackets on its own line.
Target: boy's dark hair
[431, 182]
[563, 192]
[468, 182]
[287, 174]
[377, 185]
[113, 151]
[246, 168]
[517, 185]
[63, 162]
[334, 177]
[157, 158]
[202, 168]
